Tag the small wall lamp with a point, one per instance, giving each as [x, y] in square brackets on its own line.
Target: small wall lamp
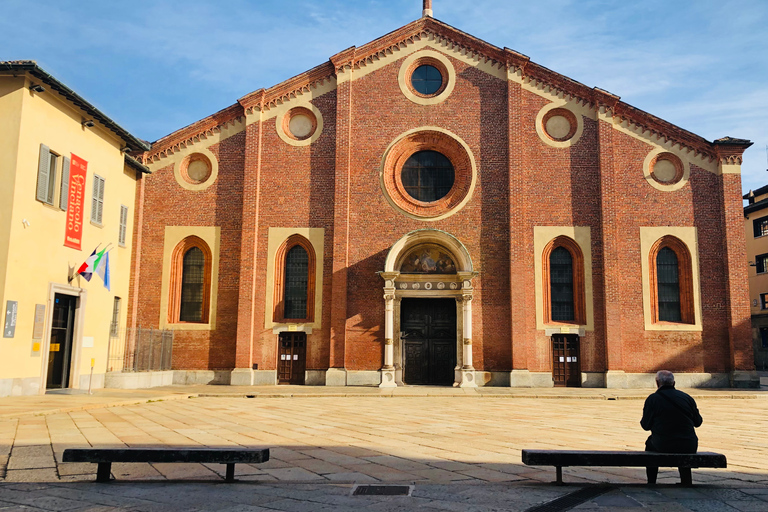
[88, 123]
[36, 88]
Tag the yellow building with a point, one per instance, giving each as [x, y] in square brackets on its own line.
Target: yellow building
[69, 187]
[756, 231]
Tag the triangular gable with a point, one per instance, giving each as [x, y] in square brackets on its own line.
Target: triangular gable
[506, 63]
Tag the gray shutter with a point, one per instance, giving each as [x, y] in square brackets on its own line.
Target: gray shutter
[95, 200]
[64, 197]
[43, 169]
[123, 224]
[101, 199]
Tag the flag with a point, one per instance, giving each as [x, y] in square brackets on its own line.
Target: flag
[102, 270]
[87, 268]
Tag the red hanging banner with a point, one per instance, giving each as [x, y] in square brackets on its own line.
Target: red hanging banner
[74, 231]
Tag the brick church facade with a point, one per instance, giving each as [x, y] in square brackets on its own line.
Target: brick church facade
[431, 209]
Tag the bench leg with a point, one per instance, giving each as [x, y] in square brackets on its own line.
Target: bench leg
[103, 471]
[651, 473]
[686, 478]
[559, 473]
[230, 472]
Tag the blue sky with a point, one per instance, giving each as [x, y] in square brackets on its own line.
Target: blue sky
[156, 66]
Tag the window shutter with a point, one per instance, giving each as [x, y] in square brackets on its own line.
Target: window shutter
[101, 198]
[64, 197]
[95, 200]
[43, 169]
[123, 224]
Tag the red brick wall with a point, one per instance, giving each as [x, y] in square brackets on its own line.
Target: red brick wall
[522, 183]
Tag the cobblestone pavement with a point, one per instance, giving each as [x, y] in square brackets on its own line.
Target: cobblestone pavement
[458, 451]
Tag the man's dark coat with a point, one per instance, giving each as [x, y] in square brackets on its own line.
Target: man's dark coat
[671, 416]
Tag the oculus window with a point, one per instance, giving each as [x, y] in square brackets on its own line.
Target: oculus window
[426, 80]
[427, 176]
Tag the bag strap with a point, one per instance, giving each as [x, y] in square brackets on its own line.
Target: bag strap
[676, 405]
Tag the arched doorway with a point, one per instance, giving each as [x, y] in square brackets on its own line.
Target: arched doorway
[428, 311]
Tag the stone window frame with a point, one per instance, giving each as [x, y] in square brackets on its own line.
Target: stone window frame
[278, 302]
[579, 295]
[176, 279]
[685, 279]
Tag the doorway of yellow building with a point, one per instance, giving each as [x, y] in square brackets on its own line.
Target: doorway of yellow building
[62, 334]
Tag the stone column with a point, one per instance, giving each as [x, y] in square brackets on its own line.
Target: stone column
[388, 370]
[467, 370]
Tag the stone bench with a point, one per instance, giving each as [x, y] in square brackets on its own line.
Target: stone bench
[104, 457]
[564, 458]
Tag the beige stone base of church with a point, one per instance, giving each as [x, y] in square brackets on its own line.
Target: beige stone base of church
[340, 377]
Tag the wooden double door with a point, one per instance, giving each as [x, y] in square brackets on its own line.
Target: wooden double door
[428, 328]
[566, 364]
[292, 357]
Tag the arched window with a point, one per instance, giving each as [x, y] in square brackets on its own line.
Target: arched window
[671, 281]
[561, 285]
[295, 281]
[563, 282]
[190, 282]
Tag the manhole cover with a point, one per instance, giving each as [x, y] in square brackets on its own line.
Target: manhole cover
[382, 490]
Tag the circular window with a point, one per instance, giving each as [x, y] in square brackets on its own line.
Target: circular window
[426, 77]
[427, 176]
[428, 173]
[196, 169]
[426, 80]
[299, 123]
[666, 169]
[559, 124]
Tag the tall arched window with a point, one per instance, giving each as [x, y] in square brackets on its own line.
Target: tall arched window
[671, 281]
[561, 285]
[563, 282]
[190, 282]
[295, 281]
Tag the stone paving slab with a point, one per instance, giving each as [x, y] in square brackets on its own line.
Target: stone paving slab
[320, 447]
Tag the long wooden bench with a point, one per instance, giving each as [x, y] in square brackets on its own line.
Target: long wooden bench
[104, 457]
[565, 458]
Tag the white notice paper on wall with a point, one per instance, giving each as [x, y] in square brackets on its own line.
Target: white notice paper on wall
[87, 341]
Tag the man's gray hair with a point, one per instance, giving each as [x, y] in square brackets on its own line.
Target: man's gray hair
[665, 378]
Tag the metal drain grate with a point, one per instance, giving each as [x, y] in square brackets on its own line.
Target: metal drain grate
[382, 490]
[574, 499]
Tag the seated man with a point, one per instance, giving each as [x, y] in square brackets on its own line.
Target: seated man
[671, 416]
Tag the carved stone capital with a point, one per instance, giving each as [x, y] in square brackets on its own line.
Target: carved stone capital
[388, 341]
[389, 296]
[467, 341]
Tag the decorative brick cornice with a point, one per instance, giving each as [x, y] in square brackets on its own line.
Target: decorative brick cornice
[447, 37]
[193, 133]
[730, 150]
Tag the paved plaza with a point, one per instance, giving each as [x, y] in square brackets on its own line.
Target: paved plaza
[457, 449]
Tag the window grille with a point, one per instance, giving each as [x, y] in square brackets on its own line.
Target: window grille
[427, 176]
[668, 279]
[561, 285]
[296, 282]
[192, 282]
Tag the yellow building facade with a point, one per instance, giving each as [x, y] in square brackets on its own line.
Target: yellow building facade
[756, 234]
[69, 187]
